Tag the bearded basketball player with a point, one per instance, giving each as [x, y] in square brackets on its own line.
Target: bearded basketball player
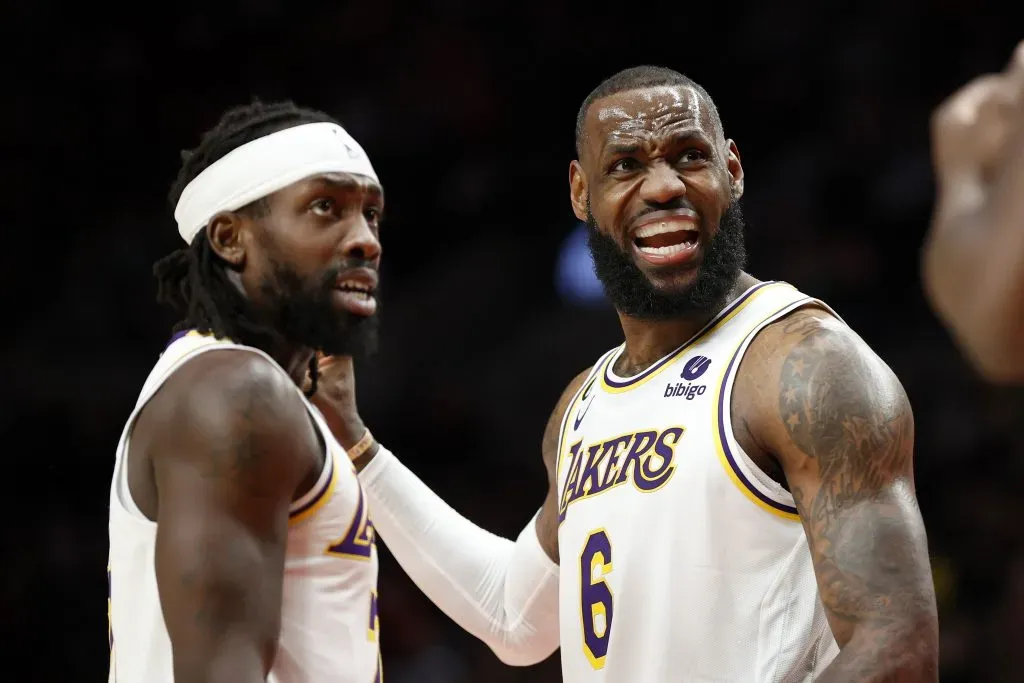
[240, 545]
[731, 490]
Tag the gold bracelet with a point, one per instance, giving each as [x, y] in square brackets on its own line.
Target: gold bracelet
[359, 449]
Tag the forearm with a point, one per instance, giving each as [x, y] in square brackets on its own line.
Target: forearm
[505, 593]
[974, 263]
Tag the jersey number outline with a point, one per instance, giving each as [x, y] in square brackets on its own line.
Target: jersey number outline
[596, 599]
[357, 543]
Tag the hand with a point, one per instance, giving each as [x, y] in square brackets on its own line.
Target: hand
[973, 257]
[971, 135]
[336, 398]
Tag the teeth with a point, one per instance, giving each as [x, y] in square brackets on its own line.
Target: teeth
[667, 251]
[652, 229]
[354, 286]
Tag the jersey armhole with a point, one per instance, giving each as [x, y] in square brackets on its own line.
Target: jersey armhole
[121, 489]
[592, 377]
[751, 480]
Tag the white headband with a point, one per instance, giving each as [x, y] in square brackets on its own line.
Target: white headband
[263, 166]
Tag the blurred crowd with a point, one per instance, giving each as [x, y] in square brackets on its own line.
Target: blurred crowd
[467, 110]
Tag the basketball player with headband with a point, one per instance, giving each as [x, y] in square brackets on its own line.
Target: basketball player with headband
[240, 545]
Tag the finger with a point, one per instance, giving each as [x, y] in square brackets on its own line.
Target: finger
[966, 128]
[1015, 76]
[327, 361]
[960, 110]
[1016, 66]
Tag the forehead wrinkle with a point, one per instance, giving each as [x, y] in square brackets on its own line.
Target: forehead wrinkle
[661, 108]
[650, 112]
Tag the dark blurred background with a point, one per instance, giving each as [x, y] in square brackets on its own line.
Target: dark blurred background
[467, 109]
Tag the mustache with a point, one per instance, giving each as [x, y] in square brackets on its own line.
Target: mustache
[673, 205]
[331, 275]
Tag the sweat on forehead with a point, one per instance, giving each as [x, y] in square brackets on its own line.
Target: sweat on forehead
[650, 113]
[645, 79]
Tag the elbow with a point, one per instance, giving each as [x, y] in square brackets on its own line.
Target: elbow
[991, 341]
[887, 649]
[999, 363]
[923, 649]
[915, 643]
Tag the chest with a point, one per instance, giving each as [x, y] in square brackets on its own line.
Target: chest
[628, 449]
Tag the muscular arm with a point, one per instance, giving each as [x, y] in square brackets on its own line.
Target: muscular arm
[843, 430]
[221, 437]
[505, 593]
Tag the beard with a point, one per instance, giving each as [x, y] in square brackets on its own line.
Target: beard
[302, 311]
[633, 294]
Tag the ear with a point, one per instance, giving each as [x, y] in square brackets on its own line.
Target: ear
[225, 233]
[578, 190]
[735, 168]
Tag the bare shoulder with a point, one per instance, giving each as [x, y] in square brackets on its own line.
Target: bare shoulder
[820, 388]
[549, 447]
[547, 521]
[234, 416]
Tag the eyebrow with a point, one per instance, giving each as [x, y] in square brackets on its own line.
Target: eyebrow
[345, 181]
[630, 147]
[622, 148]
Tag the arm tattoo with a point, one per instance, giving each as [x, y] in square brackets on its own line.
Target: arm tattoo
[851, 423]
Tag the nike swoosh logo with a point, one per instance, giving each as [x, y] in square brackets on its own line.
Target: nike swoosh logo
[583, 411]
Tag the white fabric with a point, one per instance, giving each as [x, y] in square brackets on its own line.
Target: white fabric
[504, 593]
[263, 166]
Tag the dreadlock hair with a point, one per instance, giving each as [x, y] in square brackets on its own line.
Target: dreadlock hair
[637, 78]
[193, 280]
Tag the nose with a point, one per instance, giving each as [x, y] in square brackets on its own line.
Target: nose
[662, 185]
[361, 242]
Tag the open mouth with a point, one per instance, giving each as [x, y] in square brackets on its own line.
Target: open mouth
[357, 293]
[358, 290]
[667, 241]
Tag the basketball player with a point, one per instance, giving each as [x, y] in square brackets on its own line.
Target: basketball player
[240, 548]
[974, 254]
[731, 490]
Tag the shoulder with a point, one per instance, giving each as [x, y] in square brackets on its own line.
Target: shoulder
[554, 425]
[225, 401]
[815, 380]
[811, 341]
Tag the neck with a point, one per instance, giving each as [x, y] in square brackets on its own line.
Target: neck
[647, 341]
[295, 362]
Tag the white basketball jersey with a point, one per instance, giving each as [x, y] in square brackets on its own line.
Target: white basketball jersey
[681, 560]
[329, 626]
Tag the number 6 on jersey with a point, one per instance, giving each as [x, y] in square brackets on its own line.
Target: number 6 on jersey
[596, 597]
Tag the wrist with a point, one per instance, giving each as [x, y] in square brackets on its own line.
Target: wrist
[363, 450]
[348, 432]
[367, 457]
